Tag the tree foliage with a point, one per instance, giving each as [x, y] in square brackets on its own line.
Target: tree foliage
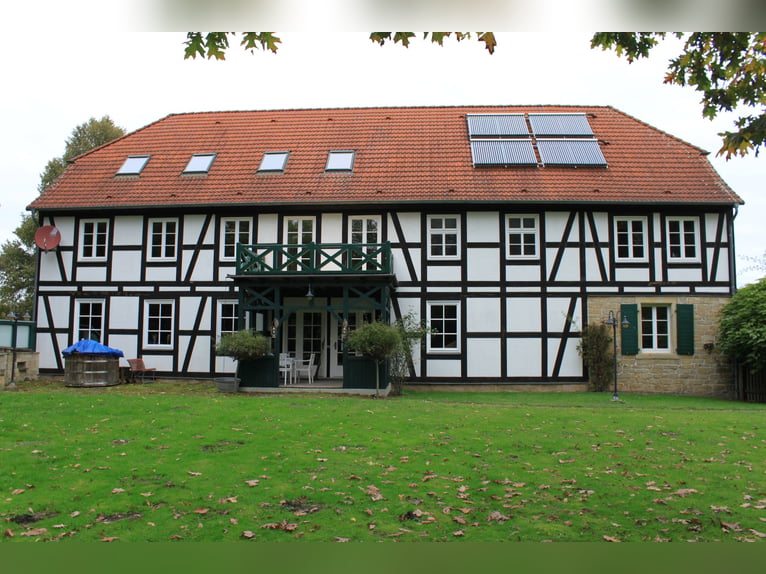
[727, 68]
[17, 269]
[596, 349]
[83, 138]
[742, 327]
[17, 256]
[243, 345]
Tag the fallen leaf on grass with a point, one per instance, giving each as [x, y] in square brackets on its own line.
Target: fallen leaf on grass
[497, 516]
[8, 533]
[340, 539]
[34, 532]
[611, 539]
[374, 492]
[253, 482]
[249, 534]
[458, 533]
[733, 526]
[201, 510]
[18, 491]
[109, 538]
[193, 473]
[117, 490]
[758, 534]
[231, 499]
[284, 525]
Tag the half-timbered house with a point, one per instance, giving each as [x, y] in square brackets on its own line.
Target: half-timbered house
[505, 228]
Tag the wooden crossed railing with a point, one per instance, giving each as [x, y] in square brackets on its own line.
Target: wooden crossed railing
[314, 258]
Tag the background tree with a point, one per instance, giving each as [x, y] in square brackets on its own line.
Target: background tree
[728, 68]
[17, 256]
[742, 328]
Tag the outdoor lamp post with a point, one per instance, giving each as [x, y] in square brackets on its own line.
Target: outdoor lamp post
[612, 320]
[14, 329]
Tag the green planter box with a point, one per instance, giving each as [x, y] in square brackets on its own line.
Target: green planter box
[262, 372]
[359, 373]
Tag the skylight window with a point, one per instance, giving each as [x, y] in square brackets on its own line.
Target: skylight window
[340, 161]
[274, 161]
[200, 163]
[133, 165]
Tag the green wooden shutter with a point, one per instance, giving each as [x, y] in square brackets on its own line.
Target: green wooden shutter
[685, 329]
[629, 333]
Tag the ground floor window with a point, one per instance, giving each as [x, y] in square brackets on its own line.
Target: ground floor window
[228, 317]
[159, 324]
[655, 328]
[90, 320]
[444, 321]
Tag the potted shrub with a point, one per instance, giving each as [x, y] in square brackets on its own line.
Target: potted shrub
[376, 341]
[243, 346]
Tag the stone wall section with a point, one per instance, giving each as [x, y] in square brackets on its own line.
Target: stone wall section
[707, 372]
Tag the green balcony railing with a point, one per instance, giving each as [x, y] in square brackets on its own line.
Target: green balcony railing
[314, 258]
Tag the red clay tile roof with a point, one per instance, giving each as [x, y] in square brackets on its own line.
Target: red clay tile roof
[402, 155]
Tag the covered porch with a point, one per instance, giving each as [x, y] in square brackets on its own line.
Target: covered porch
[308, 298]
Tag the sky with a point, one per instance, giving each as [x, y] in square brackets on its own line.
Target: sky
[59, 77]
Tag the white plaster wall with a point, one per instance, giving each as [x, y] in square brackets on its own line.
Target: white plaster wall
[160, 274]
[267, 228]
[631, 274]
[331, 229]
[523, 272]
[569, 268]
[128, 230]
[192, 228]
[126, 266]
[49, 269]
[483, 315]
[91, 274]
[483, 265]
[200, 356]
[722, 272]
[483, 357]
[443, 368]
[558, 307]
[555, 224]
[410, 223]
[523, 314]
[400, 264]
[524, 357]
[123, 313]
[188, 308]
[483, 226]
[571, 364]
[451, 273]
[203, 268]
[685, 275]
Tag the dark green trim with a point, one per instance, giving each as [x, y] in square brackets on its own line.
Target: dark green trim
[685, 329]
[629, 311]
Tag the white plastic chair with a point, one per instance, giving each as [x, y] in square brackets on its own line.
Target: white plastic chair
[286, 367]
[306, 367]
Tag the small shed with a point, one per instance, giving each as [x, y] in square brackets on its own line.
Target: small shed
[88, 363]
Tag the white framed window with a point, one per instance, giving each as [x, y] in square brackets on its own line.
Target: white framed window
[163, 238]
[364, 231]
[158, 321]
[683, 238]
[523, 236]
[299, 232]
[630, 238]
[443, 236]
[274, 161]
[228, 318]
[134, 165]
[200, 163]
[444, 321]
[94, 238]
[340, 161]
[655, 328]
[233, 231]
[90, 320]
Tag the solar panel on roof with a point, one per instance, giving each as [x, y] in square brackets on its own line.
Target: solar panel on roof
[503, 152]
[497, 125]
[570, 152]
[560, 125]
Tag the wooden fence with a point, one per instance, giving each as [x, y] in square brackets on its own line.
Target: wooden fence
[751, 386]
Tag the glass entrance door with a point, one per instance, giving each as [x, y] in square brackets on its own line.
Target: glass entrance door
[354, 319]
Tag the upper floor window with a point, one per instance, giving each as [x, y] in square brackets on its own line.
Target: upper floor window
[522, 232]
[630, 233]
[683, 239]
[200, 163]
[364, 231]
[443, 236]
[340, 161]
[233, 231]
[163, 236]
[90, 320]
[274, 161]
[444, 320]
[299, 234]
[134, 165]
[94, 236]
[159, 324]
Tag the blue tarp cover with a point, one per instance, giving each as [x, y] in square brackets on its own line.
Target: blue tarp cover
[89, 347]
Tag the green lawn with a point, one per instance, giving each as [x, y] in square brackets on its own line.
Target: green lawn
[178, 461]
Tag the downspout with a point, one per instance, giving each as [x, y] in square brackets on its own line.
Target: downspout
[738, 388]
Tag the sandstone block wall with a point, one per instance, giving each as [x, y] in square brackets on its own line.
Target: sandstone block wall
[707, 372]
